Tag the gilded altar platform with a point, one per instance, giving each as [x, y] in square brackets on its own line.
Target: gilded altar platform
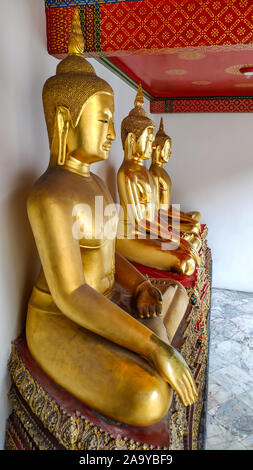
[46, 417]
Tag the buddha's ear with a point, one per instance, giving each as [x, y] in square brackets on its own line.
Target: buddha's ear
[130, 144]
[158, 149]
[156, 152]
[63, 119]
[166, 154]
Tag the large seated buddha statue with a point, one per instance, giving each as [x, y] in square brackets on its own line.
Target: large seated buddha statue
[161, 155]
[76, 329]
[145, 234]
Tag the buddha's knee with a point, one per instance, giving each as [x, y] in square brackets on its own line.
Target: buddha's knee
[150, 404]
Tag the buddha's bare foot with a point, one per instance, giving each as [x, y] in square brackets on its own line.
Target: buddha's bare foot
[173, 368]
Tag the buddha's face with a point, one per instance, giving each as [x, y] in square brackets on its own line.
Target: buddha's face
[166, 151]
[91, 139]
[144, 143]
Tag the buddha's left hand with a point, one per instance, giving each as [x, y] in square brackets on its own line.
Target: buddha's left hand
[173, 368]
[148, 300]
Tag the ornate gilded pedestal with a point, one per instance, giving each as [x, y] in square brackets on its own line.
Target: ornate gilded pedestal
[45, 416]
[187, 425]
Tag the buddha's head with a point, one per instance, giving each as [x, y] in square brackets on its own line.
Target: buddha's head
[137, 131]
[162, 146]
[79, 107]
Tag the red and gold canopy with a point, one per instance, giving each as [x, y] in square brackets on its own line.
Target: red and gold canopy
[186, 53]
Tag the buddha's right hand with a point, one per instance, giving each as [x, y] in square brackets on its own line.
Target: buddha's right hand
[148, 299]
[173, 368]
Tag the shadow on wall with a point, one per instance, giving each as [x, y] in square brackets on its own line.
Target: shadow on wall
[22, 254]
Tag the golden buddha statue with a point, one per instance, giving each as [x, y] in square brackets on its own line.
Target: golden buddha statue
[161, 155]
[89, 345]
[143, 229]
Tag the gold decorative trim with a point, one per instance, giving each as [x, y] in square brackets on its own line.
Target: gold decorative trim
[35, 434]
[201, 82]
[9, 442]
[176, 72]
[243, 85]
[191, 55]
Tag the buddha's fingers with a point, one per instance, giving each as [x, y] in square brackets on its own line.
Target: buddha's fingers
[180, 389]
[156, 315]
[194, 388]
[185, 390]
[157, 311]
[190, 393]
[146, 311]
[159, 307]
[152, 309]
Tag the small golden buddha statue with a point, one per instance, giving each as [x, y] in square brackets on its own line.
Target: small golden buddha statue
[161, 155]
[143, 232]
[75, 330]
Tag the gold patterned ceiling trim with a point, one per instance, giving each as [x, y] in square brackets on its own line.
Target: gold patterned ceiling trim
[176, 72]
[201, 82]
[192, 55]
[243, 85]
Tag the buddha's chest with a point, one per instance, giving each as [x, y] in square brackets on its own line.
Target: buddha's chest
[145, 187]
[164, 181]
[161, 178]
[94, 215]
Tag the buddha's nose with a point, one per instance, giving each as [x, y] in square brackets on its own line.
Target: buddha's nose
[111, 135]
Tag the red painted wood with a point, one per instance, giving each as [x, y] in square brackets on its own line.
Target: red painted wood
[186, 48]
[196, 72]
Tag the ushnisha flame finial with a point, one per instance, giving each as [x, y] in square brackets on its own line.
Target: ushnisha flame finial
[161, 128]
[76, 41]
[139, 100]
[161, 134]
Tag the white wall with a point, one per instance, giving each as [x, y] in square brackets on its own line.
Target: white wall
[212, 171]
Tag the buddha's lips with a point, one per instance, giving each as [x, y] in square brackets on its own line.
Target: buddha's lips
[107, 146]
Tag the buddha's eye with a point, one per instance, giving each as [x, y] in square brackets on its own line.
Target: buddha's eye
[105, 121]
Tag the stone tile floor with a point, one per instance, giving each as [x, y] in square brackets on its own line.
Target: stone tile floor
[230, 380]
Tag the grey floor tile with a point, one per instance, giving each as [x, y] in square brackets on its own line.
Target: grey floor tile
[230, 397]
